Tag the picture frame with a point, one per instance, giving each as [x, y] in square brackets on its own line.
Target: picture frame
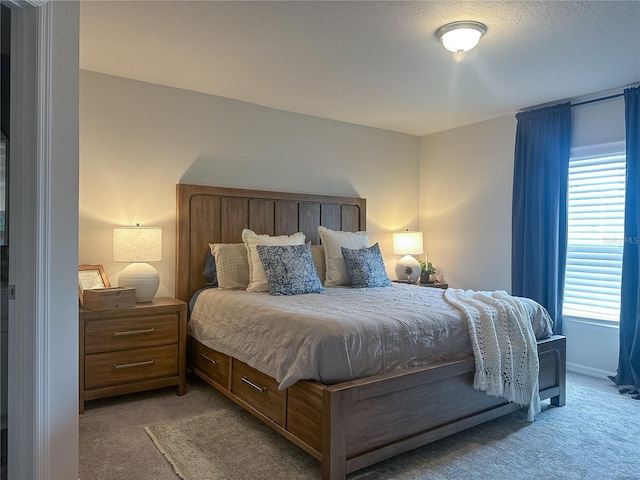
[91, 277]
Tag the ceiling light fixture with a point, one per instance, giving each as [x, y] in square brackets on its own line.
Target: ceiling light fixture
[460, 37]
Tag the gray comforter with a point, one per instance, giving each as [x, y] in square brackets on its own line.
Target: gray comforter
[341, 335]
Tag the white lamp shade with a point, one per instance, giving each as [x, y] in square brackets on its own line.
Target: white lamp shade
[143, 277]
[407, 243]
[137, 244]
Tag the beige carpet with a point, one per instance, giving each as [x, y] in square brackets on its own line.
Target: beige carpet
[594, 437]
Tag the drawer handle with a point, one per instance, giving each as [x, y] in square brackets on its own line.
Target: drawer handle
[131, 365]
[208, 359]
[257, 387]
[134, 332]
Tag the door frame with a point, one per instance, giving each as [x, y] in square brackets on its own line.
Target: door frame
[42, 405]
[22, 332]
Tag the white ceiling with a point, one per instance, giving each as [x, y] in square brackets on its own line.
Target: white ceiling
[370, 63]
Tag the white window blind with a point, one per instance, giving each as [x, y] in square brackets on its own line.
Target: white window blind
[595, 233]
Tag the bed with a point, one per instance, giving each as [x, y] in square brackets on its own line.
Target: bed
[350, 424]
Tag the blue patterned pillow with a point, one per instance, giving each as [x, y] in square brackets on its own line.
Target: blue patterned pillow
[289, 269]
[366, 267]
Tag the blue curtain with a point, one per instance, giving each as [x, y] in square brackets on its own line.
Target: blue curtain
[539, 211]
[629, 359]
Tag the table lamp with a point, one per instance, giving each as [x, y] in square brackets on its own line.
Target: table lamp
[138, 245]
[407, 244]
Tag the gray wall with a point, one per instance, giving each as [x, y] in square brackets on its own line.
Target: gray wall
[466, 182]
[466, 178]
[137, 140]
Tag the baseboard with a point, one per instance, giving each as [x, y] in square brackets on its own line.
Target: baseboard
[590, 371]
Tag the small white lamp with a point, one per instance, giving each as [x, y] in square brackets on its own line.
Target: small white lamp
[138, 245]
[407, 244]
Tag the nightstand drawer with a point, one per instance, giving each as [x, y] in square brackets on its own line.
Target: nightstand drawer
[259, 391]
[213, 364]
[126, 366]
[134, 332]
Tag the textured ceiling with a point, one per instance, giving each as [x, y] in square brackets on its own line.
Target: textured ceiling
[370, 63]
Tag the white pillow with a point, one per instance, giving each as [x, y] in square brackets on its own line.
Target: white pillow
[231, 265]
[257, 278]
[337, 274]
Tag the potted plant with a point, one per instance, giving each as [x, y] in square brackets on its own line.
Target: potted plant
[427, 272]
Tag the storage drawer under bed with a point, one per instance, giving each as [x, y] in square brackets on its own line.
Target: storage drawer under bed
[259, 391]
[214, 365]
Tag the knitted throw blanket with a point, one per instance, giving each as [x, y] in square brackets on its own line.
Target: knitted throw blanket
[504, 346]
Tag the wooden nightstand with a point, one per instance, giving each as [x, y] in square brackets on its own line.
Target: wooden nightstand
[444, 286]
[133, 349]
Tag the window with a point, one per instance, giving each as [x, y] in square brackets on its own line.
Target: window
[595, 232]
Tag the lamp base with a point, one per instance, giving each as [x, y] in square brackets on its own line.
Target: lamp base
[143, 277]
[408, 269]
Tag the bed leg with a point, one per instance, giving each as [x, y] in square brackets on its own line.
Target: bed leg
[559, 400]
[334, 435]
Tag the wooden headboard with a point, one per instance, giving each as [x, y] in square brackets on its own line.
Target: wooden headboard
[218, 215]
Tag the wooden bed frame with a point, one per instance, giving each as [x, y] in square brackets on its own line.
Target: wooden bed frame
[353, 424]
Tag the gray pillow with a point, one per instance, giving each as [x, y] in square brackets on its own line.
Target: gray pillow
[289, 269]
[210, 273]
[366, 267]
